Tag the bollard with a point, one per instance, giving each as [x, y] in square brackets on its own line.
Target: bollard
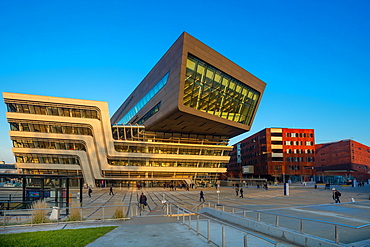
[258, 216]
[244, 213]
[189, 220]
[197, 224]
[233, 211]
[209, 231]
[301, 226]
[245, 240]
[103, 213]
[223, 237]
[178, 213]
[277, 220]
[183, 216]
[336, 233]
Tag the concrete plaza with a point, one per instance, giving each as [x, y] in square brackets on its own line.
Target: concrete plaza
[153, 229]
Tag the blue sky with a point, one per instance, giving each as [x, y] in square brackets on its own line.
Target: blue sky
[313, 55]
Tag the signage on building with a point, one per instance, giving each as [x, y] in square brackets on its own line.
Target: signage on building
[248, 169]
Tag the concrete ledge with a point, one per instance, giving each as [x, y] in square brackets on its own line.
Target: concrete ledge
[278, 232]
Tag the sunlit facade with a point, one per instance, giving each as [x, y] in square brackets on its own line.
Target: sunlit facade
[173, 128]
[209, 90]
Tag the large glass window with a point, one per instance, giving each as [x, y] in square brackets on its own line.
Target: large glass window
[48, 159]
[164, 163]
[129, 115]
[46, 143]
[69, 111]
[61, 128]
[210, 90]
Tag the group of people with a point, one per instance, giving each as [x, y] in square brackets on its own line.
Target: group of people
[238, 192]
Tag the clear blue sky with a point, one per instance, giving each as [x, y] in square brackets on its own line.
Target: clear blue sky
[314, 55]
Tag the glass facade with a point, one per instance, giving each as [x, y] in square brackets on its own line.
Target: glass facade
[149, 114]
[138, 133]
[47, 159]
[210, 90]
[53, 110]
[164, 163]
[48, 144]
[168, 149]
[126, 119]
[157, 176]
[60, 128]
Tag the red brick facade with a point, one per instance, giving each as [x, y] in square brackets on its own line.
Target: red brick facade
[346, 158]
[275, 153]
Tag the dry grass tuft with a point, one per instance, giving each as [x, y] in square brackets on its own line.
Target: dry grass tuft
[39, 212]
[75, 212]
[119, 212]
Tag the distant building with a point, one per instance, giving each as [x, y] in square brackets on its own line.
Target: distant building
[279, 154]
[173, 128]
[347, 158]
[7, 168]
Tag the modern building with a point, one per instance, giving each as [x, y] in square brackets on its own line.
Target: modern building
[343, 161]
[278, 154]
[173, 128]
[7, 168]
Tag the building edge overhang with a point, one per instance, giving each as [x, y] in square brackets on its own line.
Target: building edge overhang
[189, 44]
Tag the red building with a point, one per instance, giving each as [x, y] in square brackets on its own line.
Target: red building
[278, 154]
[346, 158]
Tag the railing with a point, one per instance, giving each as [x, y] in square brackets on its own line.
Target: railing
[204, 228]
[30, 217]
[331, 231]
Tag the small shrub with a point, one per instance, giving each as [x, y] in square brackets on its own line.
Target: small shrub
[75, 212]
[39, 212]
[118, 213]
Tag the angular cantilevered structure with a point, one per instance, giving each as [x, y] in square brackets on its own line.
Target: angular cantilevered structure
[173, 128]
[194, 89]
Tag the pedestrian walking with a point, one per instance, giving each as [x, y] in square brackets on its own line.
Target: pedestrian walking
[89, 191]
[111, 190]
[201, 194]
[236, 191]
[241, 192]
[143, 202]
[336, 196]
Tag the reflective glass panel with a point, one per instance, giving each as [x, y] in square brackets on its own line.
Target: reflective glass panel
[210, 90]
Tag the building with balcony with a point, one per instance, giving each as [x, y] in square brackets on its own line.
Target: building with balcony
[278, 154]
[173, 128]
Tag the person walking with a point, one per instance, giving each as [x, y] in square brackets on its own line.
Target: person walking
[143, 202]
[236, 191]
[336, 196]
[111, 190]
[201, 194]
[89, 191]
[241, 192]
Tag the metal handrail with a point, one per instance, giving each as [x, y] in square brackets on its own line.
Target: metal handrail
[5, 214]
[190, 212]
[301, 219]
[294, 217]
